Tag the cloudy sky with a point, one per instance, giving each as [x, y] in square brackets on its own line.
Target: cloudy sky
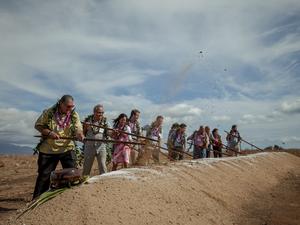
[214, 63]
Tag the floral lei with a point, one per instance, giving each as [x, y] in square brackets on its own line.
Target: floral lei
[51, 114]
[95, 129]
[69, 120]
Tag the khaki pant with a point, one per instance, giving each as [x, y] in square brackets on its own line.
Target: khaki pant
[155, 154]
[90, 152]
[176, 153]
[147, 152]
[134, 154]
[235, 147]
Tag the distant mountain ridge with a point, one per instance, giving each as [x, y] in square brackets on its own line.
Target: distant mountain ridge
[7, 148]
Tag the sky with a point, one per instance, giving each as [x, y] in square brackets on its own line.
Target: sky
[197, 62]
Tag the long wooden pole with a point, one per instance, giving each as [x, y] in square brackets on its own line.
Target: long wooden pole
[223, 153]
[244, 141]
[95, 139]
[230, 149]
[176, 150]
[124, 132]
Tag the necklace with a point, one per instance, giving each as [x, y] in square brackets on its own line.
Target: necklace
[62, 122]
[95, 129]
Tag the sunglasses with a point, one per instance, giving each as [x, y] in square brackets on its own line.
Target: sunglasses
[70, 106]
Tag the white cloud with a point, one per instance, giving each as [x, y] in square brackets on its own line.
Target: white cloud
[17, 126]
[221, 118]
[291, 106]
[182, 109]
[57, 44]
[92, 48]
[249, 118]
[291, 139]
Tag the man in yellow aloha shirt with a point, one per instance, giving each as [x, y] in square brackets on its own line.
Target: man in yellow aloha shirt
[56, 122]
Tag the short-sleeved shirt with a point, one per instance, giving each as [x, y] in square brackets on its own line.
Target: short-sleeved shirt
[52, 146]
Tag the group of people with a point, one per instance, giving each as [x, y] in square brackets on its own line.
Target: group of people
[202, 140]
[60, 122]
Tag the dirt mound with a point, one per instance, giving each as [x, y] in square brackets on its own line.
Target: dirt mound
[257, 189]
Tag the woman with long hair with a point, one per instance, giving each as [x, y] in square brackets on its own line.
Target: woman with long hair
[217, 143]
[121, 151]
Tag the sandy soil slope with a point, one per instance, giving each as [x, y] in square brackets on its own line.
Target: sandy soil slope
[257, 189]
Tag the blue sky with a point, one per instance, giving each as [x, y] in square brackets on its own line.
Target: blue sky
[146, 55]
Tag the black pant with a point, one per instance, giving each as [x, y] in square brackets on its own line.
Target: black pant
[177, 153]
[46, 164]
[199, 152]
[217, 152]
